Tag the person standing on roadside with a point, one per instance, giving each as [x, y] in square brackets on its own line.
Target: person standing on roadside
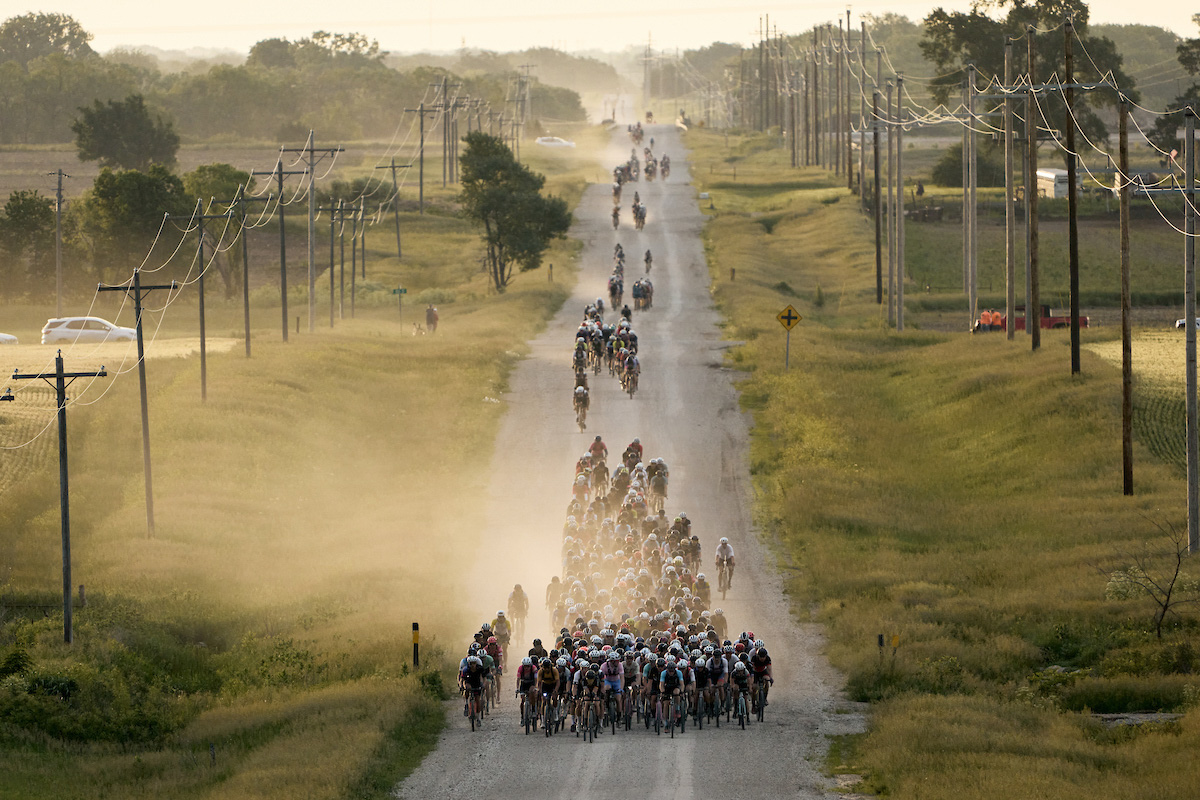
[431, 318]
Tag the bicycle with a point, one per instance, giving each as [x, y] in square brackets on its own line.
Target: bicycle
[527, 712]
[591, 719]
[760, 699]
[473, 703]
[549, 713]
[581, 416]
[613, 710]
[743, 707]
[723, 576]
[631, 384]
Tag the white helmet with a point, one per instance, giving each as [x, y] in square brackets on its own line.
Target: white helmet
[724, 540]
[526, 661]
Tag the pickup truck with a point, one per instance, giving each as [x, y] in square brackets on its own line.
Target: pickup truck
[1049, 320]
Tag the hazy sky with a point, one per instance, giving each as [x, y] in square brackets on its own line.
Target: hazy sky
[412, 25]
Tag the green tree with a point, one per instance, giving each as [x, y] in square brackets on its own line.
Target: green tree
[122, 133]
[32, 36]
[120, 217]
[27, 239]
[955, 39]
[505, 197]
[1166, 133]
[215, 181]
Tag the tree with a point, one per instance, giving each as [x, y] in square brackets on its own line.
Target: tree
[122, 133]
[27, 239]
[215, 181]
[1157, 574]
[505, 197]
[955, 39]
[122, 214]
[272, 54]
[1166, 133]
[32, 36]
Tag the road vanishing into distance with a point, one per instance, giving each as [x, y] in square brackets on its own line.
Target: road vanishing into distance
[686, 412]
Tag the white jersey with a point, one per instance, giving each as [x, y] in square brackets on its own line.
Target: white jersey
[724, 551]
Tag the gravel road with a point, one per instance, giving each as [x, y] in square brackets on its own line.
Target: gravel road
[686, 411]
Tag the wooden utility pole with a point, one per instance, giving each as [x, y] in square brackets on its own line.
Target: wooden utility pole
[973, 194]
[1072, 196]
[421, 111]
[393, 166]
[891, 209]
[1010, 222]
[1189, 314]
[900, 219]
[839, 51]
[279, 173]
[310, 150]
[138, 291]
[1126, 320]
[240, 203]
[878, 225]
[58, 272]
[966, 184]
[862, 116]
[1033, 309]
[846, 126]
[200, 219]
[61, 382]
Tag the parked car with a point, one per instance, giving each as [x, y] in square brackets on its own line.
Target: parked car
[554, 141]
[85, 329]
[7, 338]
[1182, 323]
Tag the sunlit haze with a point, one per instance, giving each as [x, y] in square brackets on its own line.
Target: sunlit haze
[415, 26]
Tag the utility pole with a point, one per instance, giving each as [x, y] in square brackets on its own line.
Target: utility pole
[966, 220]
[421, 111]
[310, 150]
[878, 226]
[1073, 198]
[891, 209]
[138, 291]
[58, 273]
[1189, 314]
[1126, 321]
[240, 202]
[973, 197]
[900, 220]
[862, 116]
[396, 198]
[1010, 222]
[200, 219]
[847, 127]
[816, 100]
[840, 52]
[1033, 308]
[60, 385]
[279, 173]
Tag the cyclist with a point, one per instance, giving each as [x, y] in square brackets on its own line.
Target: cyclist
[470, 680]
[598, 449]
[702, 589]
[613, 673]
[649, 261]
[518, 607]
[635, 447]
[537, 651]
[725, 554]
[526, 677]
[670, 681]
[587, 687]
[740, 679]
[760, 665]
[720, 624]
[496, 653]
[502, 629]
[547, 681]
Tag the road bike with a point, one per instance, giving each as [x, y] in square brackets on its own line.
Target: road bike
[528, 715]
[613, 710]
[591, 719]
[631, 384]
[549, 713]
[760, 699]
[474, 704]
[631, 700]
[743, 707]
[723, 576]
[581, 416]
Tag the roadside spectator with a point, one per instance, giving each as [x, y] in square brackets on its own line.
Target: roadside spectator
[431, 319]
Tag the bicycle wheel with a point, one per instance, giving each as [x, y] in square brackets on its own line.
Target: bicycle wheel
[658, 719]
[612, 714]
[527, 714]
[742, 711]
[762, 696]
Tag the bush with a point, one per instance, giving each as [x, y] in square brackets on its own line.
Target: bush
[439, 297]
[948, 170]
[1125, 694]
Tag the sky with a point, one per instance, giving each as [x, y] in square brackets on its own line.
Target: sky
[405, 26]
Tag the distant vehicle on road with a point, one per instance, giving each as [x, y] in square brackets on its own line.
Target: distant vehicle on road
[7, 338]
[1182, 323]
[85, 330]
[553, 141]
[1049, 320]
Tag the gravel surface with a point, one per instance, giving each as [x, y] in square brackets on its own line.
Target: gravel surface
[686, 411]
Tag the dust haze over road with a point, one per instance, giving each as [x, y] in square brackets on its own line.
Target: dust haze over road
[686, 412]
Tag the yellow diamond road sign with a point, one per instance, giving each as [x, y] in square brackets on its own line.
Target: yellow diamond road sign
[788, 318]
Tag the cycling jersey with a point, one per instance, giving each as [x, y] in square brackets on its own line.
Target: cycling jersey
[701, 675]
[526, 674]
[671, 679]
[473, 677]
[716, 667]
[548, 676]
[760, 665]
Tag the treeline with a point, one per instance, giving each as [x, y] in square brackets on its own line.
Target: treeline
[340, 84]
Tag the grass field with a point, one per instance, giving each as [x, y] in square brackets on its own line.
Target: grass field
[258, 644]
[957, 492]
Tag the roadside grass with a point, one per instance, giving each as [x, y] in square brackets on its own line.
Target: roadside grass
[324, 497]
[960, 493]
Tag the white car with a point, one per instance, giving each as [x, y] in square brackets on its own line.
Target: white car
[554, 141]
[7, 338]
[85, 329]
[1182, 323]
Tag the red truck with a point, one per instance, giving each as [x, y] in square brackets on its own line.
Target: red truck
[1049, 320]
